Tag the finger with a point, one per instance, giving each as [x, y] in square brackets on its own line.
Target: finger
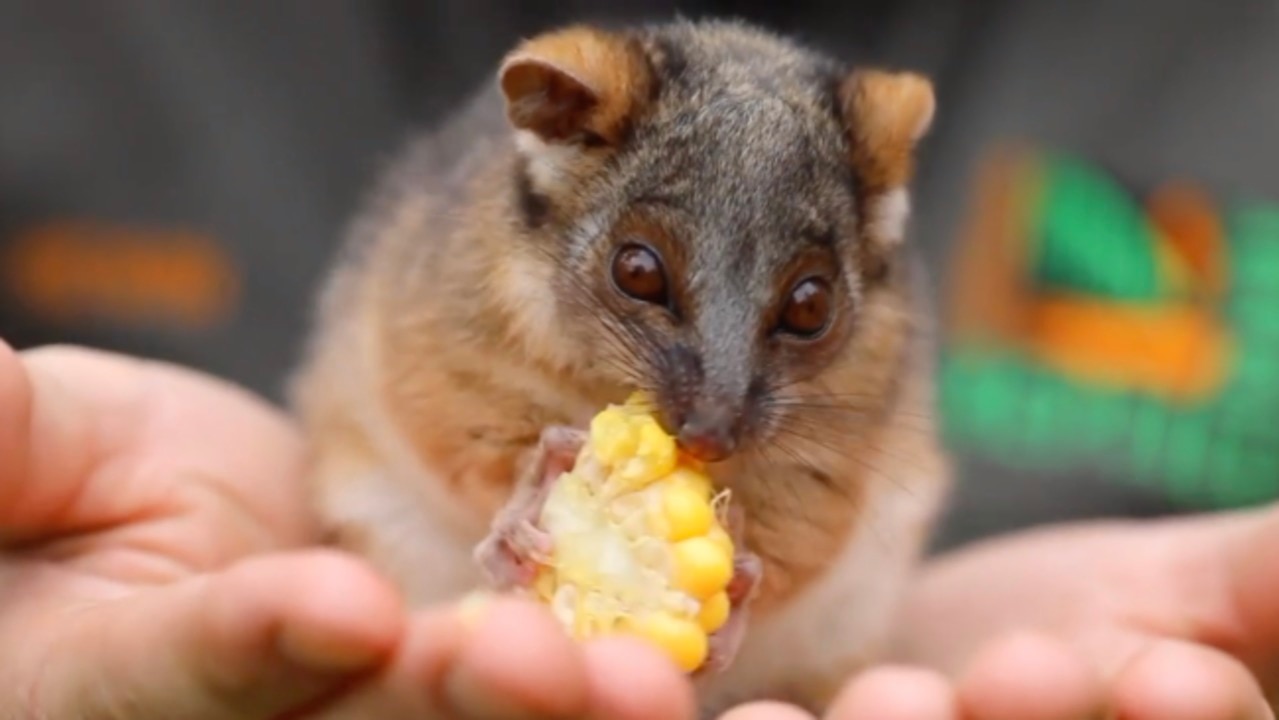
[766, 711]
[628, 680]
[63, 411]
[411, 686]
[506, 659]
[896, 693]
[1252, 567]
[1180, 681]
[259, 639]
[79, 429]
[1029, 677]
[17, 491]
[516, 662]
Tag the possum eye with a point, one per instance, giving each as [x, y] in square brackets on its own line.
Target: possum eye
[638, 273]
[807, 310]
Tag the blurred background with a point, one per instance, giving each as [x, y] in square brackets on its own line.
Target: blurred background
[1097, 203]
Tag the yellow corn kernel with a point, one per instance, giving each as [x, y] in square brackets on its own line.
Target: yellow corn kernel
[612, 436]
[656, 445]
[654, 455]
[721, 539]
[714, 612]
[701, 567]
[686, 512]
[693, 479]
[638, 544]
[682, 639]
[544, 586]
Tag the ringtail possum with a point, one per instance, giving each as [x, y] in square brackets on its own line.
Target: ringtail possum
[703, 210]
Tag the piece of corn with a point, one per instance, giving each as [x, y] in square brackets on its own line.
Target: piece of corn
[640, 545]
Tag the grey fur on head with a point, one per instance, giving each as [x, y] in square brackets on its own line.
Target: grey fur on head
[746, 162]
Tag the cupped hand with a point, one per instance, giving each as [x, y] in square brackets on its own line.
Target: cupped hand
[1149, 620]
[157, 561]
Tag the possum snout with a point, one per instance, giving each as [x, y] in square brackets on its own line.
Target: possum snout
[704, 413]
[711, 432]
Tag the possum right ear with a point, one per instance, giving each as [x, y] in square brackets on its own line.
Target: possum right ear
[579, 85]
[886, 114]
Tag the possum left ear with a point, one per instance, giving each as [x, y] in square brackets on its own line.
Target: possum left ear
[886, 114]
[579, 85]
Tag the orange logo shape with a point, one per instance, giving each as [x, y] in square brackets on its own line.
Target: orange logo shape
[82, 271]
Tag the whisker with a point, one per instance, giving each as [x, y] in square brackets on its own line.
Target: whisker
[786, 437]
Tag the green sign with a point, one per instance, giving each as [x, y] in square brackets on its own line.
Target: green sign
[1095, 257]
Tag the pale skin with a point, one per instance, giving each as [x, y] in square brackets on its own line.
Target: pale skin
[157, 563]
[1167, 620]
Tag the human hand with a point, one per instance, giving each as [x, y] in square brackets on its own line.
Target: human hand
[1157, 620]
[156, 561]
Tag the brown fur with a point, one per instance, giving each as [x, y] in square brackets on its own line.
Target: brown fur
[595, 81]
[473, 309]
[888, 112]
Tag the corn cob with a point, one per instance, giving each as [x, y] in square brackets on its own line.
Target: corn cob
[640, 540]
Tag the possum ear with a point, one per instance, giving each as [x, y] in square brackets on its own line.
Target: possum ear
[886, 114]
[578, 85]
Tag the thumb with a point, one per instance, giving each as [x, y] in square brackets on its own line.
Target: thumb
[1253, 567]
[15, 427]
[51, 432]
[268, 636]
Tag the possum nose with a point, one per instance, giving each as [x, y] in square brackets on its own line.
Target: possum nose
[706, 438]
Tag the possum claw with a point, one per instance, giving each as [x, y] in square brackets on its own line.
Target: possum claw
[514, 548]
[725, 642]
